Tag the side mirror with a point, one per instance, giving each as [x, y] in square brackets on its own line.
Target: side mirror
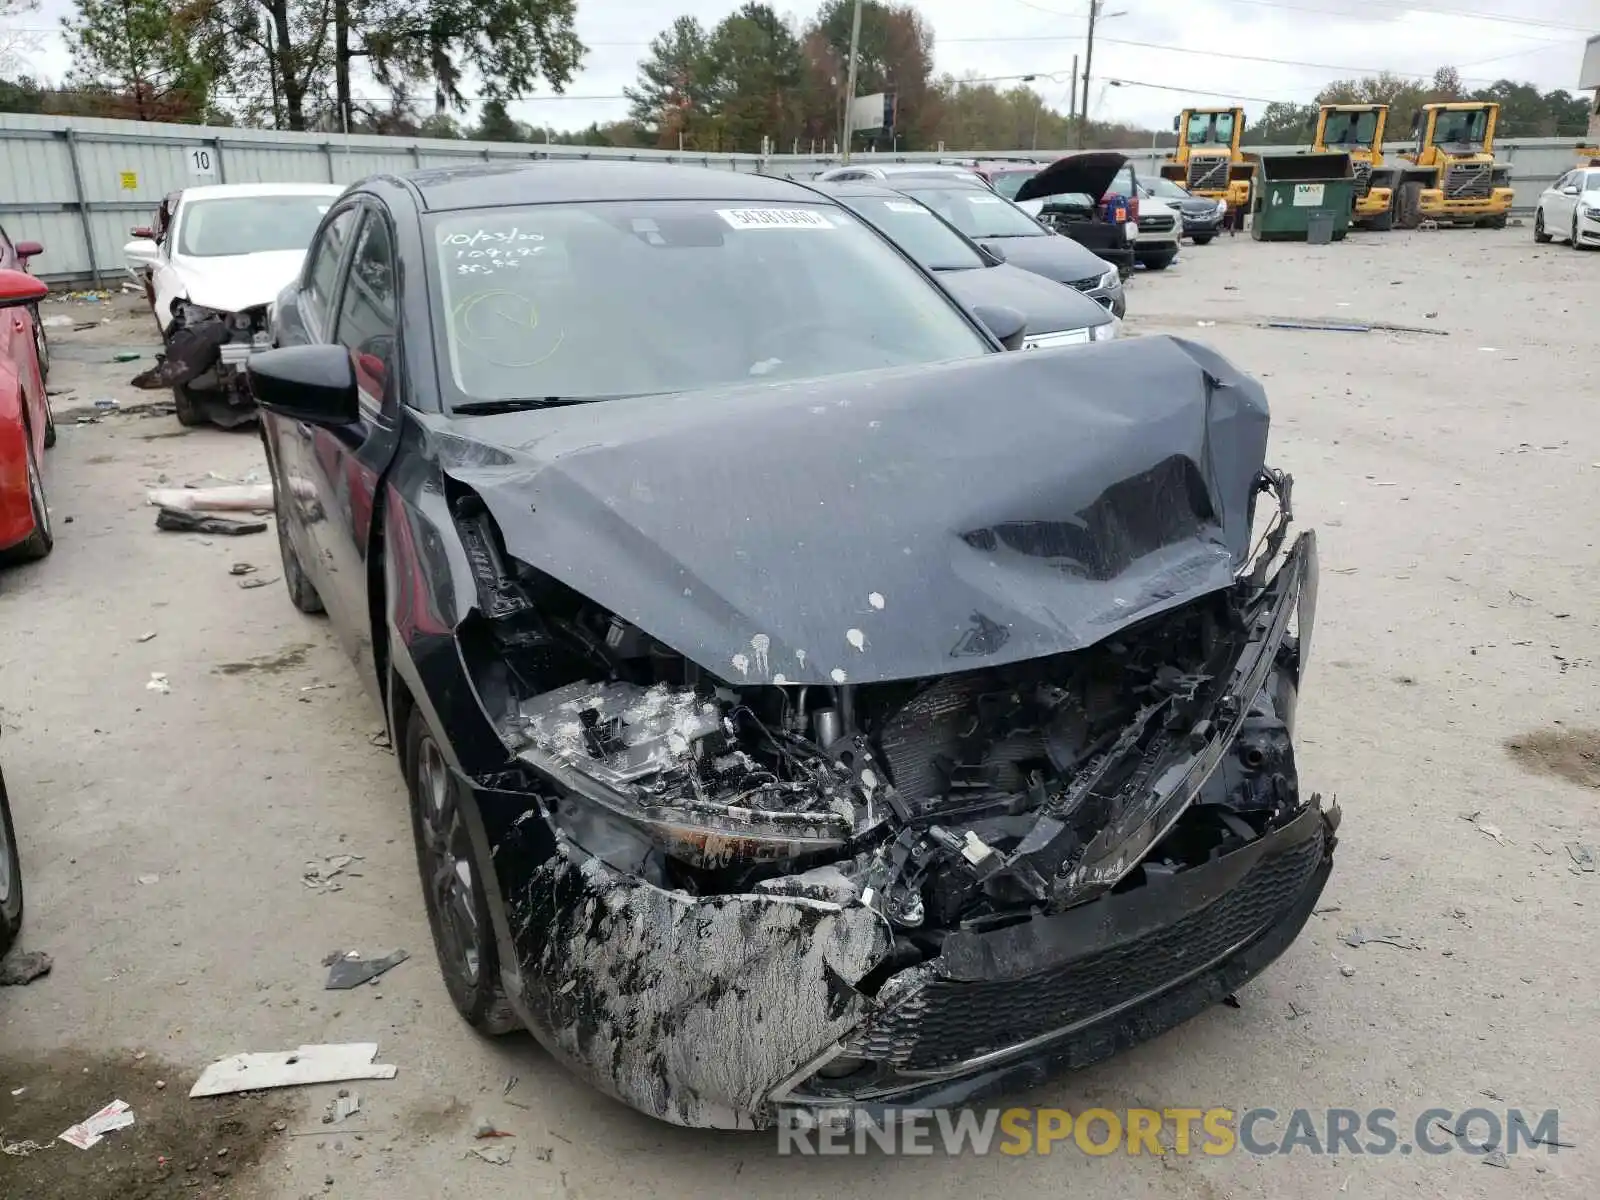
[995, 253]
[27, 250]
[1177, 123]
[1007, 324]
[18, 287]
[143, 232]
[1570, 191]
[306, 383]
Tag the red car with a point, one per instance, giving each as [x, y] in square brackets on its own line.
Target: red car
[26, 428]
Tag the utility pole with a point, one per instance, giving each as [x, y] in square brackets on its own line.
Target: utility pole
[1072, 114]
[1088, 65]
[850, 81]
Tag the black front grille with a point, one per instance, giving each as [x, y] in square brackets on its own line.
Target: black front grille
[1468, 181]
[1155, 222]
[1363, 174]
[1086, 284]
[948, 1022]
[1208, 174]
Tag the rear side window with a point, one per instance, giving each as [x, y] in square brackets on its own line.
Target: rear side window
[326, 253]
[368, 314]
[1591, 182]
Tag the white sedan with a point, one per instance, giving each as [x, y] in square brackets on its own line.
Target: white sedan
[1570, 208]
[213, 272]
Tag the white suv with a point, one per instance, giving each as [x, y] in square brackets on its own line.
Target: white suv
[1160, 225]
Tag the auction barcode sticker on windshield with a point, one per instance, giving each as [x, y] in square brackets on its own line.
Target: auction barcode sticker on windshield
[774, 218]
[905, 206]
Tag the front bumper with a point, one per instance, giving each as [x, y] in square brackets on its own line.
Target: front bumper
[1496, 203]
[1374, 204]
[723, 1010]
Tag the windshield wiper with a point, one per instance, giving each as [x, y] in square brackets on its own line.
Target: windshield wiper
[488, 408]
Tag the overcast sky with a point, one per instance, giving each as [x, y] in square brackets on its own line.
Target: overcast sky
[1540, 41]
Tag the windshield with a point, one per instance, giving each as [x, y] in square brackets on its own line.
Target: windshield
[249, 224]
[1167, 190]
[978, 214]
[1351, 128]
[1009, 183]
[1214, 128]
[589, 301]
[1457, 127]
[918, 232]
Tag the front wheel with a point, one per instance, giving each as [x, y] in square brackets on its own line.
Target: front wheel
[1539, 234]
[1408, 205]
[1576, 244]
[186, 408]
[1159, 260]
[1202, 239]
[10, 877]
[458, 908]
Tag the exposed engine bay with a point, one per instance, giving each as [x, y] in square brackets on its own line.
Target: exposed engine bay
[960, 801]
[204, 362]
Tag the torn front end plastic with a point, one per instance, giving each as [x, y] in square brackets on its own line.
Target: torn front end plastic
[205, 359]
[907, 891]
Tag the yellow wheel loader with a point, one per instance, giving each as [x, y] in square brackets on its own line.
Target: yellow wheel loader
[1452, 176]
[1208, 160]
[1357, 130]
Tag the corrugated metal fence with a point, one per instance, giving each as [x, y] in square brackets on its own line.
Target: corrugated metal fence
[78, 184]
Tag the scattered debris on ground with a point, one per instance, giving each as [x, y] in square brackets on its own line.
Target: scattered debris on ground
[19, 969]
[89, 1132]
[494, 1155]
[1570, 754]
[292, 1068]
[347, 969]
[1359, 937]
[1484, 827]
[323, 876]
[175, 520]
[257, 581]
[173, 1151]
[1582, 858]
[268, 664]
[145, 637]
[241, 568]
[158, 682]
[238, 497]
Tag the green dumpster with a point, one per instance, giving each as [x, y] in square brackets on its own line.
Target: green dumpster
[1289, 189]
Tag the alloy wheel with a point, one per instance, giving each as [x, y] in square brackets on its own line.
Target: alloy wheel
[448, 873]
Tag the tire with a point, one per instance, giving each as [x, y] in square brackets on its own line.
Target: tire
[1382, 223]
[1203, 239]
[41, 541]
[458, 910]
[1497, 222]
[1539, 235]
[1158, 260]
[41, 343]
[1576, 244]
[1408, 205]
[302, 592]
[10, 877]
[186, 409]
[49, 425]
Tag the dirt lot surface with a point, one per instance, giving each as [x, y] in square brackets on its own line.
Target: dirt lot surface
[166, 836]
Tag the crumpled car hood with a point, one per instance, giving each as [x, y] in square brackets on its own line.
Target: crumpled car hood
[238, 281]
[892, 524]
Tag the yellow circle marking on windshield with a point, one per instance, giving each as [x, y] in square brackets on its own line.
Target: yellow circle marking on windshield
[468, 331]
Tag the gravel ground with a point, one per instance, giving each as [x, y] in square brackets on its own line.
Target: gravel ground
[1454, 480]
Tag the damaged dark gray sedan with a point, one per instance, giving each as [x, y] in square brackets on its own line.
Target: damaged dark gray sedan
[803, 701]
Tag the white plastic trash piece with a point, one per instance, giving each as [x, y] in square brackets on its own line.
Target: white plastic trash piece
[240, 497]
[114, 1116]
[158, 683]
[291, 1068]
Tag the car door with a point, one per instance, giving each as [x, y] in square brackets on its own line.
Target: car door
[347, 463]
[307, 317]
[1558, 205]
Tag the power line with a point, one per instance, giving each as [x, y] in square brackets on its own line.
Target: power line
[1401, 9]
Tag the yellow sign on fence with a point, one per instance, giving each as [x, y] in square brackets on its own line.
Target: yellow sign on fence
[130, 181]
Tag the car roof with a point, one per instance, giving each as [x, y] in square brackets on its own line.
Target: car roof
[861, 188]
[212, 191]
[958, 181]
[557, 181]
